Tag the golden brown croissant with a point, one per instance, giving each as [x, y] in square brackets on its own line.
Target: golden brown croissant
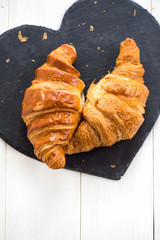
[114, 106]
[52, 106]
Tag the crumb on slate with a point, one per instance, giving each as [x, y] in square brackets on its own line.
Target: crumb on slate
[112, 166]
[98, 48]
[135, 12]
[83, 24]
[104, 11]
[20, 91]
[117, 26]
[33, 60]
[95, 2]
[87, 65]
[45, 36]
[18, 80]
[79, 25]
[102, 50]
[21, 38]
[2, 101]
[71, 43]
[91, 28]
[83, 160]
[8, 60]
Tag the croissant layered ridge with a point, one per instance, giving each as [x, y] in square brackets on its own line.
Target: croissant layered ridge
[52, 106]
[115, 105]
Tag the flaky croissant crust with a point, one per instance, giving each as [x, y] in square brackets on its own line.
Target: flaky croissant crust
[114, 106]
[52, 106]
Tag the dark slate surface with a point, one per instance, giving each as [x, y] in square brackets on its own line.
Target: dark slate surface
[113, 21]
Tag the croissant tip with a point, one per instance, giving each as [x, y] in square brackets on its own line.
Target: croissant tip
[128, 42]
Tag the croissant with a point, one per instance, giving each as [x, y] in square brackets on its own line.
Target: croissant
[52, 106]
[115, 105]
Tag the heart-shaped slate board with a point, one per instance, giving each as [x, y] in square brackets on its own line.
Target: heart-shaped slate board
[113, 21]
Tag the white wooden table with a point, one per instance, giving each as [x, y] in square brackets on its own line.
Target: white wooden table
[37, 203]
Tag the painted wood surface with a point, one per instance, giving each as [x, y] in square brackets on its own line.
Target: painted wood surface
[38, 203]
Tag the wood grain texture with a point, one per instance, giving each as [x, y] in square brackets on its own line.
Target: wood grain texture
[47, 13]
[124, 209]
[156, 14]
[41, 203]
[2, 189]
[4, 15]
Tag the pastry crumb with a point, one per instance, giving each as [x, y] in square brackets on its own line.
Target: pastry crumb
[71, 43]
[45, 36]
[98, 48]
[95, 2]
[18, 80]
[83, 24]
[91, 28]
[109, 72]
[112, 35]
[102, 50]
[117, 26]
[79, 25]
[86, 65]
[83, 160]
[20, 91]
[8, 60]
[2, 101]
[1, 6]
[135, 12]
[21, 38]
[33, 60]
[152, 9]
[113, 166]
[104, 11]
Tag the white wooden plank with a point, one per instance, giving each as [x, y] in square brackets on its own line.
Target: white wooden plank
[156, 14]
[157, 180]
[47, 13]
[3, 27]
[41, 203]
[2, 189]
[120, 209]
[124, 209]
[145, 3]
[3, 15]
